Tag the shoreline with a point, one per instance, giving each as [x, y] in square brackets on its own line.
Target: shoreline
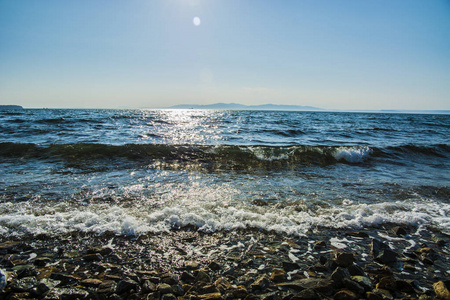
[373, 263]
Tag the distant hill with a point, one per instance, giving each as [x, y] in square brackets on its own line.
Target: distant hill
[10, 107]
[236, 106]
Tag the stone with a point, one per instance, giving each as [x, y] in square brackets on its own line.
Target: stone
[290, 266]
[353, 286]
[373, 296]
[168, 297]
[222, 284]
[359, 234]
[306, 294]
[261, 283]
[210, 296]
[269, 296]
[400, 231]
[93, 257]
[344, 259]
[126, 285]
[239, 292]
[3, 279]
[72, 293]
[442, 289]
[165, 288]
[214, 266]
[338, 275]
[386, 256]
[404, 286]
[25, 284]
[149, 287]
[386, 283]
[364, 281]
[191, 265]
[319, 245]
[355, 270]
[91, 282]
[320, 285]
[187, 277]
[202, 276]
[278, 275]
[345, 295]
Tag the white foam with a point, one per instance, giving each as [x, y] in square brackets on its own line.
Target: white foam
[211, 210]
[352, 155]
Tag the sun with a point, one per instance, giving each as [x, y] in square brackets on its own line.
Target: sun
[196, 21]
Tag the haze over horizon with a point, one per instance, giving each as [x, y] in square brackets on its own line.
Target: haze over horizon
[348, 55]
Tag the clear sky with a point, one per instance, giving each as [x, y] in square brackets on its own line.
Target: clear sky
[338, 54]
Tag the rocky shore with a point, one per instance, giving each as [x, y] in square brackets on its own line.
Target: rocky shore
[376, 263]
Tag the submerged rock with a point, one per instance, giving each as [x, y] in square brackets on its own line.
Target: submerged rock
[442, 289]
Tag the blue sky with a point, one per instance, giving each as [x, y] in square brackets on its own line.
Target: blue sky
[149, 53]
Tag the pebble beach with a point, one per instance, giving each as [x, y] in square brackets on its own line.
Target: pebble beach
[378, 263]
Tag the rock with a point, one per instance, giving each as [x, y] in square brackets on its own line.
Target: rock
[239, 292]
[93, 257]
[290, 266]
[178, 290]
[386, 256]
[442, 289]
[214, 266]
[344, 259]
[165, 288]
[63, 278]
[338, 275]
[345, 295]
[355, 270]
[319, 245]
[168, 297]
[359, 234]
[364, 281]
[320, 285]
[306, 294]
[384, 294]
[13, 247]
[353, 286]
[222, 284]
[149, 287]
[373, 296]
[386, 283]
[107, 287]
[104, 251]
[126, 285]
[261, 283]
[3, 279]
[191, 265]
[71, 293]
[25, 284]
[90, 282]
[377, 246]
[404, 286]
[269, 296]
[210, 296]
[202, 276]
[278, 275]
[41, 261]
[400, 231]
[187, 277]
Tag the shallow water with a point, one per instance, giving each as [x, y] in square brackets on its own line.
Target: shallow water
[138, 171]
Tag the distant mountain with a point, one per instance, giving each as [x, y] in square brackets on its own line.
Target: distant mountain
[236, 106]
[4, 107]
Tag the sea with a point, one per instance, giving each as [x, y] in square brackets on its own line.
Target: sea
[135, 172]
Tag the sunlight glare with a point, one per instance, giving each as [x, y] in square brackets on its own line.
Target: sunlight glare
[196, 21]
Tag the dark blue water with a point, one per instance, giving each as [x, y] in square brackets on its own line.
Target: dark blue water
[135, 171]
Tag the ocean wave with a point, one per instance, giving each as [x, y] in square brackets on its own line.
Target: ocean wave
[218, 157]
